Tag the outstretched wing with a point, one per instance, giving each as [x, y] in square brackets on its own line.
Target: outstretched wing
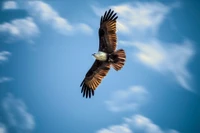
[93, 77]
[107, 32]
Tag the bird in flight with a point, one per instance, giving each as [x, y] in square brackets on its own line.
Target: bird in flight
[106, 56]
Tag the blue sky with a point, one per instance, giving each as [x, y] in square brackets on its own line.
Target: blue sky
[45, 52]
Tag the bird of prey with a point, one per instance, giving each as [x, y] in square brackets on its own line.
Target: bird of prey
[106, 56]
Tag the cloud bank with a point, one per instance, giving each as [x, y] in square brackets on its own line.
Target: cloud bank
[136, 124]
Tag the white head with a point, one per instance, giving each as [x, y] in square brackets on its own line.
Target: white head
[100, 56]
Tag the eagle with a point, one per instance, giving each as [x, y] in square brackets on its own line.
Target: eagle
[106, 56]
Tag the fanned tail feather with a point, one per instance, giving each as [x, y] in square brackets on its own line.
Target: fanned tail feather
[119, 60]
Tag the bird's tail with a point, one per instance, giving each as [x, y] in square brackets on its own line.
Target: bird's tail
[119, 58]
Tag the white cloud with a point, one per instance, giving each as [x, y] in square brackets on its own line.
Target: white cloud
[47, 14]
[129, 99]
[4, 56]
[5, 79]
[20, 28]
[9, 5]
[143, 124]
[134, 124]
[17, 114]
[138, 16]
[2, 128]
[166, 58]
[83, 28]
[116, 129]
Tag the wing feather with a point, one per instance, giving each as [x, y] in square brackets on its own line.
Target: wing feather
[94, 77]
[107, 32]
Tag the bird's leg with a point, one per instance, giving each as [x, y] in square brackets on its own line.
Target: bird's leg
[110, 60]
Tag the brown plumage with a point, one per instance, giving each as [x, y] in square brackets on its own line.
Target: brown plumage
[107, 44]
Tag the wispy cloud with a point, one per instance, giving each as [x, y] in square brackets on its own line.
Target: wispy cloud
[166, 58]
[20, 28]
[136, 123]
[141, 123]
[124, 128]
[129, 99]
[9, 5]
[2, 128]
[84, 28]
[17, 114]
[138, 16]
[4, 56]
[5, 79]
[47, 14]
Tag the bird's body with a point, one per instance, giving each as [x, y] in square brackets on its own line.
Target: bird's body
[106, 56]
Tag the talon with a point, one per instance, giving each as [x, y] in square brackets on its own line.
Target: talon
[110, 60]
